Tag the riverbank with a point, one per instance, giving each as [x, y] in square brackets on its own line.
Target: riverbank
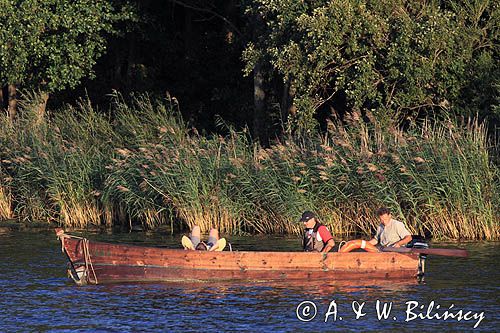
[140, 164]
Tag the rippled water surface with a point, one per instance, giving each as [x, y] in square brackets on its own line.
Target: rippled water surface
[37, 296]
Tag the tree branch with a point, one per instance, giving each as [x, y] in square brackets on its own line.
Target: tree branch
[206, 10]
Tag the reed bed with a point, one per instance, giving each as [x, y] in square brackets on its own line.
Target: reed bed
[139, 163]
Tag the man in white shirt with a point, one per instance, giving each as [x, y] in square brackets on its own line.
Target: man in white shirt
[390, 232]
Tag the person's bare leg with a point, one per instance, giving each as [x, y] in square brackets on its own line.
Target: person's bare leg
[213, 237]
[214, 234]
[196, 231]
[195, 236]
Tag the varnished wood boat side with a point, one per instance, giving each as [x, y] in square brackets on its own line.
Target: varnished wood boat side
[118, 263]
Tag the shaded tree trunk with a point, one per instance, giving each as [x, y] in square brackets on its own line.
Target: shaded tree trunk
[259, 97]
[287, 107]
[188, 33]
[119, 72]
[230, 14]
[12, 105]
[131, 62]
[259, 90]
[2, 101]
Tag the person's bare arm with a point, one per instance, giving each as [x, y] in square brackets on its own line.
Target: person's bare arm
[403, 242]
[328, 246]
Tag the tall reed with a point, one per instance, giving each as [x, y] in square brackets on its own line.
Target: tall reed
[5, 203]
[140, 163]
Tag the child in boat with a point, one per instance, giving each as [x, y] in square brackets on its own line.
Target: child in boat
[214, 243]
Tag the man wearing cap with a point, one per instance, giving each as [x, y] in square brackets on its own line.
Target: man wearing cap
[317, 238]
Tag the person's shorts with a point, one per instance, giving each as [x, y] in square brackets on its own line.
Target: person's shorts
[196, 243]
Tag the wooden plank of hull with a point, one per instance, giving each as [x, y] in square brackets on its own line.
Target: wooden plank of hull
[118, 263]
[106, 274]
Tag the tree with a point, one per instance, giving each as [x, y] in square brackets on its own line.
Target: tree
[397, 58]
[50, 45]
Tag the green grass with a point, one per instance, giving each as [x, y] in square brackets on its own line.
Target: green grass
[139, 162]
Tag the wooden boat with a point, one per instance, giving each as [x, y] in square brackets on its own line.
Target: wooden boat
[97, 262]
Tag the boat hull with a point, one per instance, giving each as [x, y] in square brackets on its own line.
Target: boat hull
[98, 262]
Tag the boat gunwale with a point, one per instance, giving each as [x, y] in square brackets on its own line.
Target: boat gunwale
[224, 253]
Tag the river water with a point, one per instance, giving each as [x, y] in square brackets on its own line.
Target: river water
[36, 295]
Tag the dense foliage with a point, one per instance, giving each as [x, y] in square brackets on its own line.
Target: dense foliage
[269, 65]
[336, 106]
[397, 58]
[52, 45]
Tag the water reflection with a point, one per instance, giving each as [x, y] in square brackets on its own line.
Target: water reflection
[312, 288]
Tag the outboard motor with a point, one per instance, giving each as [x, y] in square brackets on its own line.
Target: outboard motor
[419, 242]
